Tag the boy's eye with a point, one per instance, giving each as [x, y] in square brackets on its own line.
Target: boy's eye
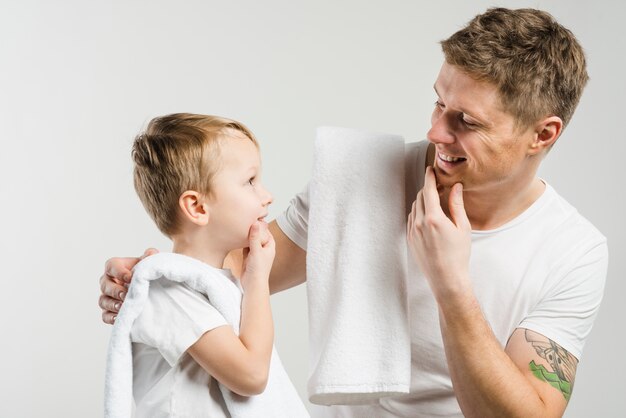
[251, 181]
[439, 104]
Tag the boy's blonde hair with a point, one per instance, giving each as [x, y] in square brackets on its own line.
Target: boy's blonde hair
[176, 153]
[537, 65]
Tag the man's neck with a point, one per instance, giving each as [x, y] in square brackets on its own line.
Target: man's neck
[490, 209]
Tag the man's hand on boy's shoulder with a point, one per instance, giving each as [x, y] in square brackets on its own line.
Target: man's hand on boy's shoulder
[114, 283]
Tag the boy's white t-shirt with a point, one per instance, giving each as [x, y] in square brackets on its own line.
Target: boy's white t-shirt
[544, 271]
[166, 380]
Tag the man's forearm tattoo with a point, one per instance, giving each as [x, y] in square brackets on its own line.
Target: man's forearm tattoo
[563, 364]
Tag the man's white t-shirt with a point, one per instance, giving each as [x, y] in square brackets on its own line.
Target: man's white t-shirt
[544, 271]
[166, 380]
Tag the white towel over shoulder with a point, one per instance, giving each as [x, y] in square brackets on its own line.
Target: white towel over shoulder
[279, 399]
[356, 268]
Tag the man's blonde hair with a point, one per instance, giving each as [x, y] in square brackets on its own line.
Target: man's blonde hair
[536, 64]
[176, 153]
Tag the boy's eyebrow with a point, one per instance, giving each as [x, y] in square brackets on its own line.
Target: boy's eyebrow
[252, 169]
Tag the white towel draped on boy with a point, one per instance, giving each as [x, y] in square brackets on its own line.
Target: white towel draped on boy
[279, 399]
[356, 269]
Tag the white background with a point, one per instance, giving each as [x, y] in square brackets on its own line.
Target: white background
[78, 79]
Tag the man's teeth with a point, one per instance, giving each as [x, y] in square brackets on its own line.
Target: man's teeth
[449, 158]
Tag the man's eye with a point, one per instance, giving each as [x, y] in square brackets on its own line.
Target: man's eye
[439, 104]
[467, 122]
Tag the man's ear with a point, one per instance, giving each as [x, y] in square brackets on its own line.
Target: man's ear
[194, 207]
[547, 131]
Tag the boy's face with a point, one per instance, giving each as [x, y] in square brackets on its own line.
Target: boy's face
[239, 198]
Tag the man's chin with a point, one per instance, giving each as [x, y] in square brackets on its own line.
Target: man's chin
[444, 179]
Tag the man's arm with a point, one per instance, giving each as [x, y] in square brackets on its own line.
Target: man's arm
[288, 270]
[491, 382]
[488, 381]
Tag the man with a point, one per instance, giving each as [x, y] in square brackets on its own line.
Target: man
[506, 277]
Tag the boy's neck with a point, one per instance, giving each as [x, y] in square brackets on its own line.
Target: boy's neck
[202, 251]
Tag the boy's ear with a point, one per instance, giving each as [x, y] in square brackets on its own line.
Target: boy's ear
[194, 207]
[547, 131]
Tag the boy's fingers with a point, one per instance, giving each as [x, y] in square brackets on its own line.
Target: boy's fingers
[270, 241]
[266, 235]
[255, 236]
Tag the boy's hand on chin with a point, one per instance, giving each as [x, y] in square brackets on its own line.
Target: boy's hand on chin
[259, 256]
[264, 231]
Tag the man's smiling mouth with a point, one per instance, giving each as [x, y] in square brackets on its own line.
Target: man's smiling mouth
[449, 158]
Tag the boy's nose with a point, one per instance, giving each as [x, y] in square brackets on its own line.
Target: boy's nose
[267, 198]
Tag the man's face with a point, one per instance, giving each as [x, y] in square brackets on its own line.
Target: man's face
[239, 198]
[477, 143]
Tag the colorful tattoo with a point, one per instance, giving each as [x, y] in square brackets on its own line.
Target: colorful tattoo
[563, 363]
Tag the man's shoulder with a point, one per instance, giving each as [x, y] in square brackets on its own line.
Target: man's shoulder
[572, 228]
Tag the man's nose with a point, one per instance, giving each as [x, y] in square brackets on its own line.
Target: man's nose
[440, 129]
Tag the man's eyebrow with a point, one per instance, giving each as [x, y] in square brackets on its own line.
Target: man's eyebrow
[477, 117]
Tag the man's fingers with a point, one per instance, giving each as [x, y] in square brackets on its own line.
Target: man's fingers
[149, 252]
[457, 207]
[430, 193]
[409, 221]
[419, 206]
[120, 267]
[109, 304]
[108, 317]
[112, 287]
[110, 307]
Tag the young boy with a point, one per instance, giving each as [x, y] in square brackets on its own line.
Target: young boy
[199, 178]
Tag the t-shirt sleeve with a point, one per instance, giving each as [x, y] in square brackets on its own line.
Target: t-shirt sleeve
[566, 314]
[174, 317]
[294, 221]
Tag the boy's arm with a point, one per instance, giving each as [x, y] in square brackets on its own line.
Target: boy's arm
[242, 363]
